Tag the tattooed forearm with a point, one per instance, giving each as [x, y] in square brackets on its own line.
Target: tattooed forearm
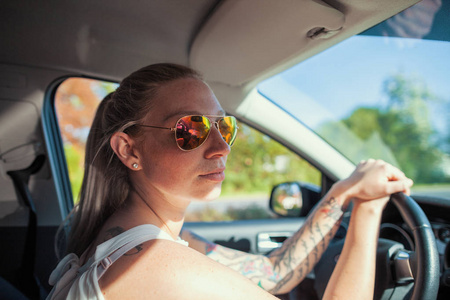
[322, 238]
[285, 267]
[332, 209]
[303, 250]
[257, 268]
[282, 283]
[305, 247]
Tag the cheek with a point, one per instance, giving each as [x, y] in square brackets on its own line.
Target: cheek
[166, 166]
[157, 147]
[175, 172]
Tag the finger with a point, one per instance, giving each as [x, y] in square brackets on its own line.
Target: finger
[407, 192]
[399, 186]
[394, 174]
[408, 188]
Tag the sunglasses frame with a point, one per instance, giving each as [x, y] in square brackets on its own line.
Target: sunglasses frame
[216, 123]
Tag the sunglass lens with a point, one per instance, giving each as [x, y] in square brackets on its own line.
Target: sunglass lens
[228, 129]
[192, 131]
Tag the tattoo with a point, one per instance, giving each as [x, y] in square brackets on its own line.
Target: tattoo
[255, 267]
[305, 246]
[334, 210]
[136, 250]
[314, 251]
[112, 232]
[286, 266]
[303, 250]
[210, 247]
[322, 238]
[300, 274]
[282, 283]
[115, 231]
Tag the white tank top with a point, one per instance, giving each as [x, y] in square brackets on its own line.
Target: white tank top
[72, 281]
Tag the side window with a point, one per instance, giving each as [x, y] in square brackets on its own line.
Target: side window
[255, 165]
[256, 162]
[76, 101]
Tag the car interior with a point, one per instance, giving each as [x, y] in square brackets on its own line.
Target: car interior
[235, 45]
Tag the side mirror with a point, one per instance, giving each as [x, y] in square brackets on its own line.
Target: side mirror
[293, 199]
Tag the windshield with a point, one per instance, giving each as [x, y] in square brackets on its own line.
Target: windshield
[382, 94]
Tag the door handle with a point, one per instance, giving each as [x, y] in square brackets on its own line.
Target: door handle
[267, 241]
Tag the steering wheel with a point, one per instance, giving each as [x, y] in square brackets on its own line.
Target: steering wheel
[399, 273]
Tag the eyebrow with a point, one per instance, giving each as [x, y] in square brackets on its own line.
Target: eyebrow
[192, 112]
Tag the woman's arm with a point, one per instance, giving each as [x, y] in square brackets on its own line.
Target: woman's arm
[354, 273]
[370, 186]
[287, 266]
[167, 270]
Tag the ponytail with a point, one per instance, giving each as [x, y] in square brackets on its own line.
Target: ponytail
[106, 184]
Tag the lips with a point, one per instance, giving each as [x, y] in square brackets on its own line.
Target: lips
[215, 175]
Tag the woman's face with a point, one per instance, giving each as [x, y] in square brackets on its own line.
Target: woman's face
[168, 171]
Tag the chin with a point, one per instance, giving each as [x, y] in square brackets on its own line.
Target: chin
[211, 194]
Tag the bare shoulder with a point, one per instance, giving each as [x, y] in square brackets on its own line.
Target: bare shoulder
[167, 270]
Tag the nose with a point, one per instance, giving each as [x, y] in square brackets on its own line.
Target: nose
[216, 144]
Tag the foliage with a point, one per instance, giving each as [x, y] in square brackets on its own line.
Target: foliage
[400, 132]
[76, 101]
[75, 167]
[407, 129]
[257, 163]
[247, 213]
[209, 214]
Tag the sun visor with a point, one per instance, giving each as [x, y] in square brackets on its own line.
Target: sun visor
[245, 37]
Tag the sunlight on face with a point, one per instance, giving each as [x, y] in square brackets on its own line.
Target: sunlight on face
[169, 172]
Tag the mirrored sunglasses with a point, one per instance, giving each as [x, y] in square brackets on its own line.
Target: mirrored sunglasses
[192, 131]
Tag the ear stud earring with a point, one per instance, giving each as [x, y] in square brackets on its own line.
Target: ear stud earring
[135, 165]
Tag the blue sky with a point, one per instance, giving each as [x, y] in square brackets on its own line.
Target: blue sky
[349, 75]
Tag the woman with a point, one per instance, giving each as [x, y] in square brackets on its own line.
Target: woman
[143, 169]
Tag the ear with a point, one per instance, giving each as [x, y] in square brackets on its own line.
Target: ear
[125, 148]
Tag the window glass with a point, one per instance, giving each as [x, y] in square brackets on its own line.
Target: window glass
[255, 164]
[76, 101]
[377, 97]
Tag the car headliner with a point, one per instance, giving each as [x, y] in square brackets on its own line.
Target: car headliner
[233, 43]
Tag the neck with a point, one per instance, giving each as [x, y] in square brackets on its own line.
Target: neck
[159, 211]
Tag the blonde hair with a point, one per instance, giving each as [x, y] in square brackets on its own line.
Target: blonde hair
[106, 183]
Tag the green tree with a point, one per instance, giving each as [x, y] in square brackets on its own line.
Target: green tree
[257, 163]
[399, 132]
[406, 127]
[75, 168]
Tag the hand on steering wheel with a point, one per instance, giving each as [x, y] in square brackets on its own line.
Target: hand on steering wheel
[376, 179]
